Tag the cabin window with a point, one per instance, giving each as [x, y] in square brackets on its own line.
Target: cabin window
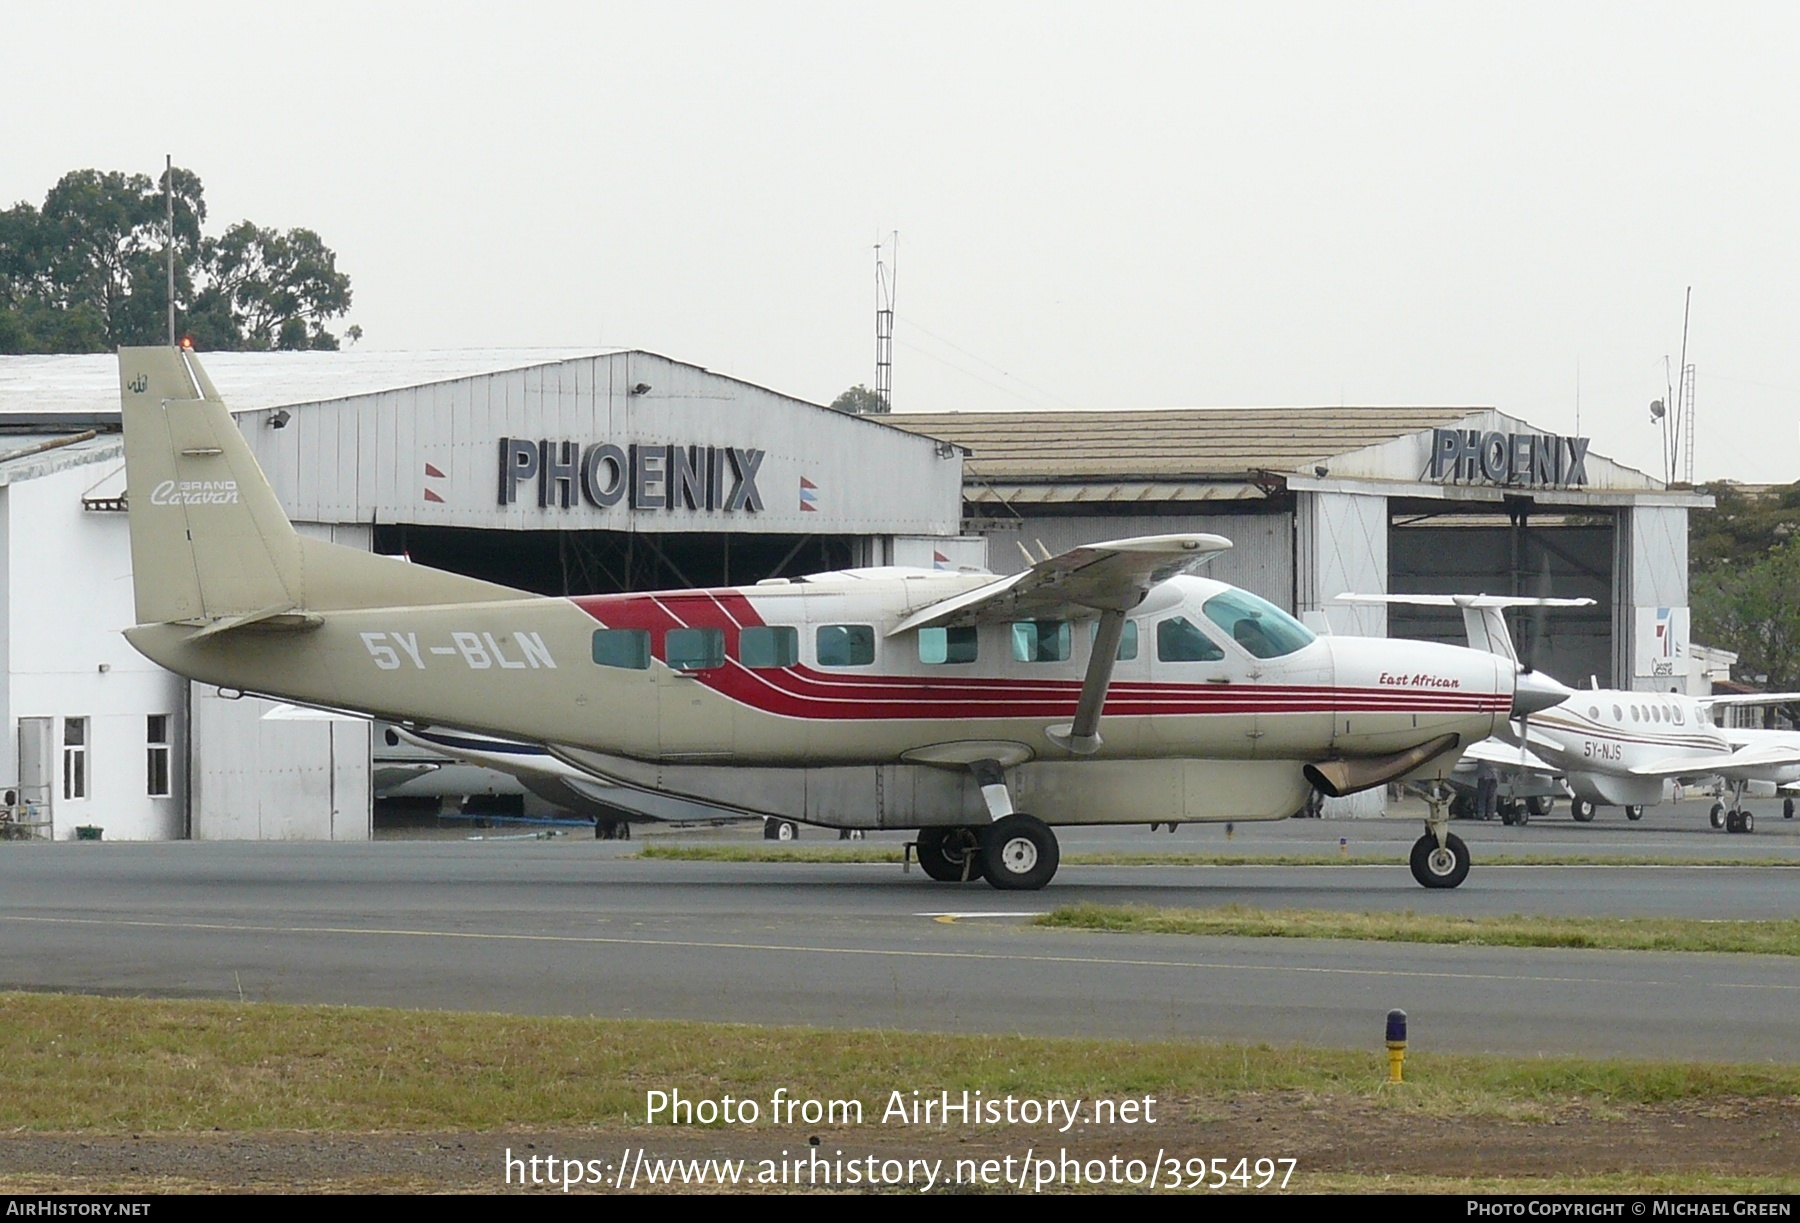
[845, 645]
[1594, 712]
[1618, 714]
[1261, 628]
[1680, 720]
[1041, 641]
[1635, 716]
[769, 646]
[947, 645]
[75, 758]
[1127, 640]
[622, 647]
[695, 649]
[1178, 640]
[156, 739]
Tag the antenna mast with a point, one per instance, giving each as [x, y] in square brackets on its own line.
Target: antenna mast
[169, 199]
[886, 274]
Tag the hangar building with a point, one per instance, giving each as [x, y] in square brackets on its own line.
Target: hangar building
[1323, 501]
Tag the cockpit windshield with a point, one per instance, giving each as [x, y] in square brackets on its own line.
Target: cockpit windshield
[1256, 624]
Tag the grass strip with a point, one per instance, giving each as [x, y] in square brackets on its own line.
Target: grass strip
[1394, 856]
[78, 1063]
[1780, 937]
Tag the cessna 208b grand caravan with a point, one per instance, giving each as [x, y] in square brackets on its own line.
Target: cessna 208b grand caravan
[950, 703]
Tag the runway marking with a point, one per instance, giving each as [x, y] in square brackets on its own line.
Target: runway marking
[892, 953]
[950, 919]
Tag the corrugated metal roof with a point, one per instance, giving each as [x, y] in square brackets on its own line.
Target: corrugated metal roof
[1166, 443]
[1107, 492]
[251, 380]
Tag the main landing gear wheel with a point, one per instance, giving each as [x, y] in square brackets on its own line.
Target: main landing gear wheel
[1019, 853]
[950, 855]
[1540, 806]
[1739, 821]
[1634, 813]
[1717, 815]
[1787, 808]
[1436, 867]
[1582, 810]
[780, 830]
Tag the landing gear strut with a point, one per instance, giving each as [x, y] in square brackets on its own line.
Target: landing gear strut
[1439, 859]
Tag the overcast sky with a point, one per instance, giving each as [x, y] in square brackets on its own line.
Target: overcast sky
[1100, 206]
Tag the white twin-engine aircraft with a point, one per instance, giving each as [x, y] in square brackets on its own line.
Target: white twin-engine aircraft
[1617, 747]
[1100, 686]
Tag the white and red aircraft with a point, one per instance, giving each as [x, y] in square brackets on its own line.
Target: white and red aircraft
[1617, 747]
[1104, 685]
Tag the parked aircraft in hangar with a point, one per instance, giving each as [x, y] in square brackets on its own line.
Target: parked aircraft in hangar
[1104, 685]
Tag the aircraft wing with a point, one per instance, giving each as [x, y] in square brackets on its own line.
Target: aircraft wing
[1084, 581]
[1508, 756]
[1748, 698]
[1750, 763]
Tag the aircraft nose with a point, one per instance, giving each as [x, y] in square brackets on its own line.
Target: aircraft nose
[1534, 691]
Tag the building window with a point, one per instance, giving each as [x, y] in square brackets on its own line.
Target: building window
[75, 758]
[156, 738]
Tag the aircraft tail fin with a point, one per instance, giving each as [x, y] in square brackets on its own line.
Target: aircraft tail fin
[208, 538]
[210, 544]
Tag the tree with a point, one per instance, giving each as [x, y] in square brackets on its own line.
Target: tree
[1742, 527]
[1753, 609]
[88, 273]
[859, 400]
[265, 289]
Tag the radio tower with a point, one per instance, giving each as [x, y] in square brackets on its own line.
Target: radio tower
[886, 272]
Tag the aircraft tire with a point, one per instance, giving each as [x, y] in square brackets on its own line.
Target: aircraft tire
[1787, 808]
[1582, 810]
[1540, 806]
[1634, 813]
[1746, 822]
[943, 853]
[1435, 868]
[1717, 815]
[780, 830]
[1019, 853]
[1733, 822]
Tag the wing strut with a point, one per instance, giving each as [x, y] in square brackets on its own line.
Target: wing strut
[1082, 736]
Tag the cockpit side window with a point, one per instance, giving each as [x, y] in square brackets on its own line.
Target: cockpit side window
[1264, 630]
[1178, 640]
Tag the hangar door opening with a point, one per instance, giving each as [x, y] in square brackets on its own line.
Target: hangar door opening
[1434, 548]
[616, 562]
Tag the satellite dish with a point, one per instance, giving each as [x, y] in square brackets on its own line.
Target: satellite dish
[1656, 409]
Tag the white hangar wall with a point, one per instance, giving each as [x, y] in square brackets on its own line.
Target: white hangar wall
[77, 695]
[371, 458]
